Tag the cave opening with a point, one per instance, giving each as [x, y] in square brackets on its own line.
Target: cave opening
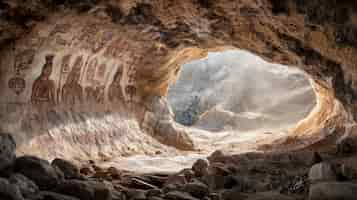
[237, 91]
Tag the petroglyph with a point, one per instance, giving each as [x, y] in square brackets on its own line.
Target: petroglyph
[43, 89]
[72, 91]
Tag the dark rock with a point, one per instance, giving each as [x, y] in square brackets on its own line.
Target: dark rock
[333, 191]
[84, 190]
[9, 191]
[178, 195]
[346, 146]
[38, 170]
[196, 189]
[154, 192]
[316, 158]
[87, 170]
[26, 186]
[155, 198]
[7, 150]
[136, 194]
[76, 188]
[45, 195]
[200, 168]
[69, 170]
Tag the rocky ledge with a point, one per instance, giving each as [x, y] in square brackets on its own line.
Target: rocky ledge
[298, 175]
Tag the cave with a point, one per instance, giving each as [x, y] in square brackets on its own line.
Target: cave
[178, 100]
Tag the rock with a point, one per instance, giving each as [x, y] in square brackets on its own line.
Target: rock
[177, 179]
[196, 189]
[155, 198]
[7, 150]
[322, 172]
[70, 171]
[154, 192]
[188, 173]
[216, 155]
[316, 158]
[333, 191]
[346, 145]
[140, 184]
[27, 187]
[215, 196]
[178, 195]
[114, 172]
[235, 195]
[9, 191]
[214, 182]
[269, 196]
[200, 168]
[45, 195]
[38, 170]
[86, 170]
[136, 194]
[84, 190]
[219, 169]
[347, 172]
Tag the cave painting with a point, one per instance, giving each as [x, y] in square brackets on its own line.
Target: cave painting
[101, 71]
[91, 70]
[17, 84]
[116, 47]
[115, 91]
[43, 89]
[24, 59]
[95, 94]
[72, 92]
[65, 67]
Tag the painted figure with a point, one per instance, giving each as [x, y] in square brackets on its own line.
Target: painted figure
[115, 91]
[43, 89]
[72, 92]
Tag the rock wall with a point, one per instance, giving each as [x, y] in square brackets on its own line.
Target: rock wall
[66, 61]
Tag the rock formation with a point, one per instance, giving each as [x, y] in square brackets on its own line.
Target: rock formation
[78, 76]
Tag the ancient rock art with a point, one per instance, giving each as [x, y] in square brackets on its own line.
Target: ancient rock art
[91, 70]
[95, 94]
[115, 91]
[24, 59]
[43, 89]
[101, 71]
[72, 92]
[130, 88]
[17, 84]
[65, 68]
[116, 47]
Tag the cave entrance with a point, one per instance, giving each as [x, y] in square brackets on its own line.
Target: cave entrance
[238, 91]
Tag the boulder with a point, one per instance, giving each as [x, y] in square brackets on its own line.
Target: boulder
[38, 170]
[69, 170]
[84, 190]
[322, 172]
[136, 194]
[27, 187]
[333, 191]
[347, 145]
[45, 195]
[200, 168]
[7, 150]
[9, 191]
[178, 195]
[196, 189]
